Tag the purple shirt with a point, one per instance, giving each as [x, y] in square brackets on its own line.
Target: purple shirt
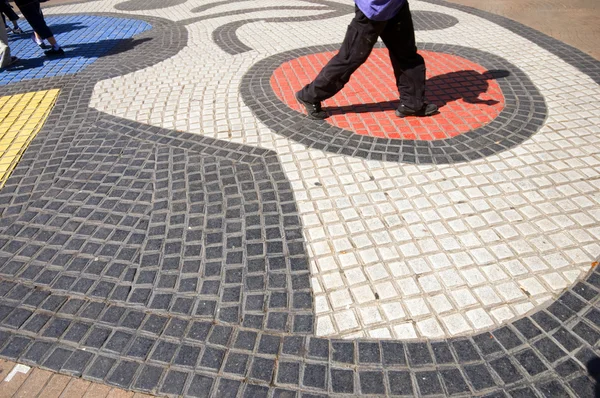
[380, 10]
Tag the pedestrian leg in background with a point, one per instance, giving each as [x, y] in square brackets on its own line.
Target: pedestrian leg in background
[32, 12]
[7, 10]
[5, 58]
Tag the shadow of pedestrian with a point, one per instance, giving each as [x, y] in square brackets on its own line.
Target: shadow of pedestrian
[57, 29]
[593, 368]
[466, 85]
[98, 49]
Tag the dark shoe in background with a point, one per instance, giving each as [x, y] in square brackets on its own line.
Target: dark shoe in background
[54, 52]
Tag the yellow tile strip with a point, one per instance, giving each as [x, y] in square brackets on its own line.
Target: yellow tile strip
[21, 118]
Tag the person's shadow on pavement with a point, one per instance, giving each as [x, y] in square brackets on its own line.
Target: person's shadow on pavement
[593, 368]
[57, 29]
[467, 85]
[98, 49]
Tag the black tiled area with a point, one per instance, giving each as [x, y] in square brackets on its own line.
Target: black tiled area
[175, 264]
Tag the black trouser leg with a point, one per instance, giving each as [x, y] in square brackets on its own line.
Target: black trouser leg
[360, 38]
[409, 66]
[7, 10]
[32, 12]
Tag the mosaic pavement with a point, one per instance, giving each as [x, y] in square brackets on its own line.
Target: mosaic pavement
[179, 227]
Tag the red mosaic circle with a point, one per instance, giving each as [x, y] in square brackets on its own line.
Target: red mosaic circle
[466, 93]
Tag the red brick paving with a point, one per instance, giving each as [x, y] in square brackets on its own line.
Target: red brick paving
[366, 105]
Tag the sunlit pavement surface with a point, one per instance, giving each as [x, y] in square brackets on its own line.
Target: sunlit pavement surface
[179, 227]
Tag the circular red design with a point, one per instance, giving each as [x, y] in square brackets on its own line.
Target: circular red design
[466, 93]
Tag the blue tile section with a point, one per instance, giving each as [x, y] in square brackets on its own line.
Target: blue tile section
[84, 38]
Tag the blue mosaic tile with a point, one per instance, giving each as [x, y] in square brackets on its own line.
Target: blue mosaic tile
[84, 38]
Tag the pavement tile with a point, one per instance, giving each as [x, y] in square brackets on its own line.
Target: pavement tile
[55, 386]
[176, 219]
[97, 390]
[35, 383]
[10, 387]
[76, 388]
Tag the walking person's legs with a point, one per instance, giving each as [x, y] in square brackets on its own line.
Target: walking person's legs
[5, 58]
[358, 43]
[6, 9]
[33, 14]
[408, 65]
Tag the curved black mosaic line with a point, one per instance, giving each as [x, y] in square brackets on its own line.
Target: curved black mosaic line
[523, 114]
[91, 180]
[431, 20]
[226, 37]
[137, 5]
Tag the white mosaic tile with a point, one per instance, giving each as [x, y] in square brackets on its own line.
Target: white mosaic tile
[520, 226]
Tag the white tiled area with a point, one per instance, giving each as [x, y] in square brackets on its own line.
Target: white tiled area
[397, 250]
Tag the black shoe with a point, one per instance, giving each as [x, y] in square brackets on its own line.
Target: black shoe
[426, 110]
[313, 111]
[54, 52]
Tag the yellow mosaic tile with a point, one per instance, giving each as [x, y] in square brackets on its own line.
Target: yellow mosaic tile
[21, 118]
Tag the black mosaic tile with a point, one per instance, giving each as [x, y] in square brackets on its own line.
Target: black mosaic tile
[100, 367]
[454, 382]
[545, 321]
[418, 354]
[549, 350]
[174, 382]
[123, 374]
[479, 377]
[187, 356]
[583, 386]
[552, 389]
[227, 388]
[371, 382]
[530, 361]
[527, 328]
[212, 358]
[428, 383]
[506, 370]
[507, 338]
[236, 363]
[269, 344]
[315, 376]
[77, 362]
[294, 345]
[318, 348]
[151, 149]
[465, 351]
[15, 347]
[566, 339]
[200, 387]
[288, 373]
[393, 353]
[36, 351]
[587, 333]
[262, 369]
[148, 378]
